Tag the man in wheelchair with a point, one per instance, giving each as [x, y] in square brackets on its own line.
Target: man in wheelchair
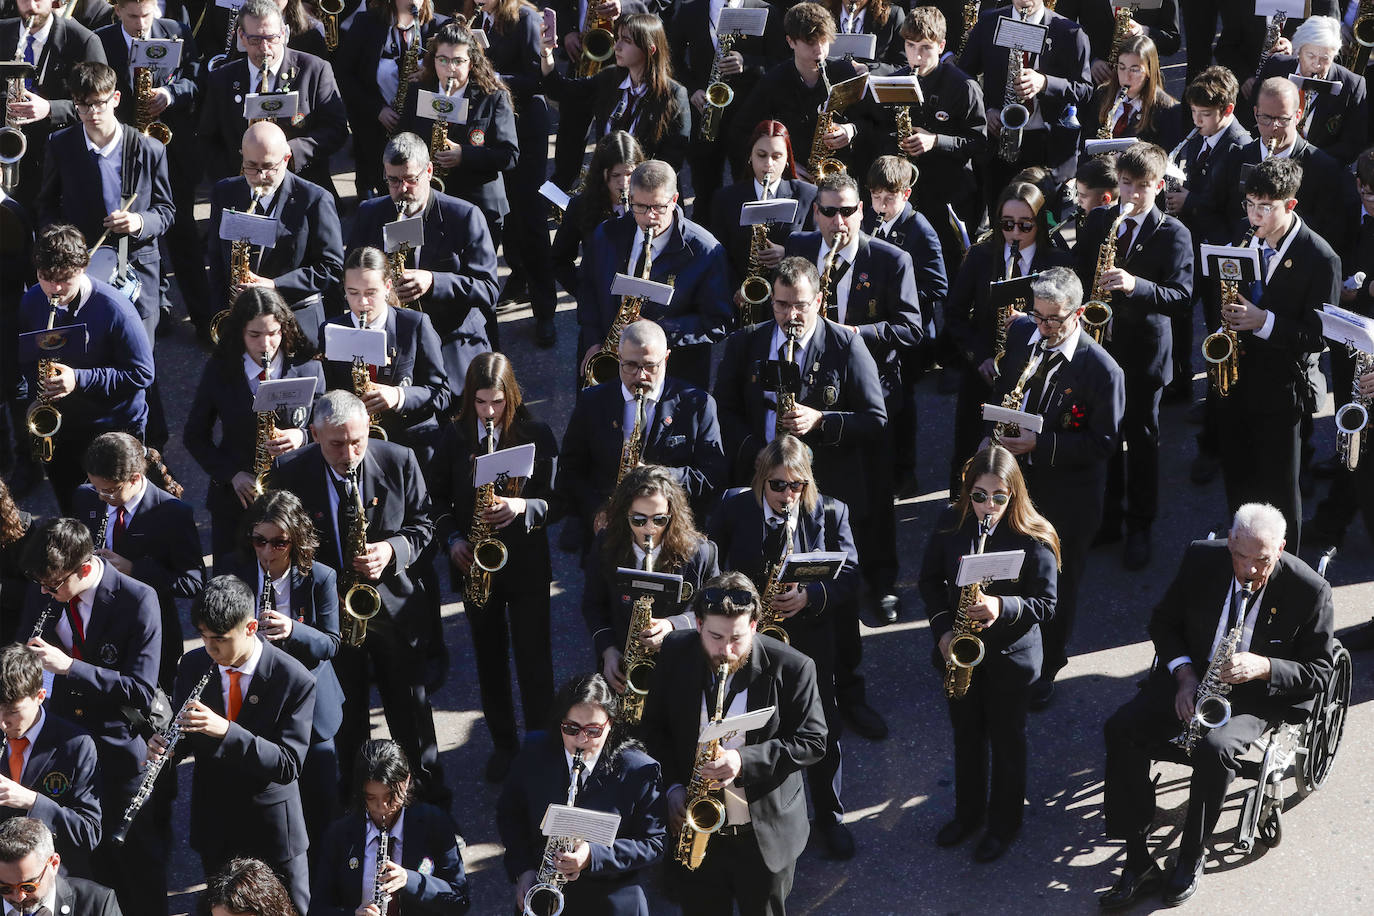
[1282, 658]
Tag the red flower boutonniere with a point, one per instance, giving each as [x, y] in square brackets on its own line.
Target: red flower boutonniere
[1073, 417]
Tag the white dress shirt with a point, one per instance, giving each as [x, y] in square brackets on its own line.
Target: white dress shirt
[656, 245]
[770, 416]
[393, 851]
[847, 254]
[130, 509]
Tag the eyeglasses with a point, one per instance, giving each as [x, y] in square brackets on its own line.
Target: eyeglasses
[780, 486]
[110, 493]
[1137, 70]
[572, 729]
[278, 544]
[257, 41]
[656, 209]
[636, 368]
[394, 181]
[1262, 209]
[639, 519]
[982, 496]
[1049, 321]
[53, 587]
[250, 168]
[97, 105]
[715, 595]
[801, 306]
[846, 211]
[1265, 120]
[25, 887]
[451, 61]
[1025, 225]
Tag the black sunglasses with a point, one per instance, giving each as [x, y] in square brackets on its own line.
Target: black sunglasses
[779, 486]
[998, 499]
[716, 594]
[639, 519]
[275, 543]
[572, 729]
[1025, 225]
[846, 212]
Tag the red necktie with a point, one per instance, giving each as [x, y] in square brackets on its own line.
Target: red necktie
[17, 748]
[235, 695]
[262, 375]
[78, 630]
[1122, 124]
[119, 524]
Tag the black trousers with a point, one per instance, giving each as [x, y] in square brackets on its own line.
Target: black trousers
[319, 784]
[733, 874]
[570, 146]
[182, 249]
[1136, 732]
[848, 650]
[990, 752]
[1259, 463]
[826, 777]
[1200, 30]
[1133, 471]
[136, 871]
[527, 224]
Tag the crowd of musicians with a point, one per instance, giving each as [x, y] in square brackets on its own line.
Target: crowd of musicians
[777, 231]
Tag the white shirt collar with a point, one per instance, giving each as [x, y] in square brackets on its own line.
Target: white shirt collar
[482, 431]
[40, 38]
[772, 188]
[1065, 349]
[396, 831]
[848, 252]
[652, 397]
[779, 338]
[378, 323]
[1026, 253]
[250, 666]
[588, 763]
[255, 75]
[109, 148]
[635, 91]
[252, 367]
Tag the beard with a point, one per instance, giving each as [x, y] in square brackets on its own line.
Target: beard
[731, 666]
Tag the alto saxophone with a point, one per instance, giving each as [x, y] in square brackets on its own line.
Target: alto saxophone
[438, 142]
[144, 121]
[1015, 114]
[239, 268]
[633, 451]
[380, 898]
[362, 384]
[266, 432]
[756, 291]
[719, 95]
[966, 650]
[43, 419]
[605, 363]
[1353, 418]
[770, 621]
[970, 19]
[1006, 429]
[1221, 348]
[489, 554]
[410, 63]
[999, 331]
[1098, 310]
[1363, 33]
[905, 128]
[396, 260]
[1211, 709]
[1107, 128]
[638, 661]
[705, 813]
[546, 895]
[13, 143]
[331, 9]
[821, 163]
[1125, 22]
[598, 44]
[787, 399]
[361, 600]
[827, 307]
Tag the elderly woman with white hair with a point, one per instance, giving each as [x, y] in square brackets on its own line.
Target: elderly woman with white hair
[1261, 619]
[1333, 116]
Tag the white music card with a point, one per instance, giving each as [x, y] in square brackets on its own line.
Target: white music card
[896, 90]
[958, 225]
[271, 105]
[862, 45]
[433, 105]
[248, 227]
[1101, 147]
[555, 195]
[409, 231]
[1347, 327]
[777, 210]
[1312, 84]
[512, 462]
[1293, 9]
[813, 566]
[626, 285]
[744, 21]
[998, 565]
[1232, 262]
[1023, 36]
[284, 393]
[599, 827]
[162, 54]
[345, 344]
[480, 36]
[995, 413]
[738, 725]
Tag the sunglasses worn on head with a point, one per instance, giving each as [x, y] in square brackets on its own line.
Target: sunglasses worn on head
[778, 486]
[639, 520]
[715, 595]
[1025, 225]
[998, 499]
[572, 729]
[275, 543]
[846, 212]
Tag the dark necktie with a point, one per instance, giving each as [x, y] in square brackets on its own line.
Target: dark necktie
[1016, 266]
[1257, 288]
[1035, 389]
[117, 537]
[348, 510]
[772, 540]
[832, 290]
[1123, 123]
[1124, 239]
[641, 261]
[1202, 155]
[28, 57]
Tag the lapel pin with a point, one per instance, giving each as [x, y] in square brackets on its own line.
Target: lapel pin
[253, 698]
[667, 421]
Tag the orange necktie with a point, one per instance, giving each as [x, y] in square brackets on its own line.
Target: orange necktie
[17, 748]
[235, 695]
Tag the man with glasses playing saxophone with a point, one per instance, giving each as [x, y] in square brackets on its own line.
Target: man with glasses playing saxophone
[750, 860]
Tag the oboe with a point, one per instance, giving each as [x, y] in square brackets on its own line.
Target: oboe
[380, 898]
[42, 622]
[172, 735]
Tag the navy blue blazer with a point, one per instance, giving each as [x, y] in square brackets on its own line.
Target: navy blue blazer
[123, 640]
[604, 91]
[684, 437]
[773, 755]
[607, 612]
[1205, 225]
[514, 55]
[113, 374]
[307, 258]
[435, 882]
[61, 771]
[954, 113]
[738, 530]
[1065, 64]
[318, 131]
[245, 799]
[396, 505]
[839, 378]
[914, 234]
[1014, 648]
[1340, 125]
[416, 366]
[487, 139]
[1161, 259]
[1098, 19]
[729, 201]
[183, 82]
[625, 782]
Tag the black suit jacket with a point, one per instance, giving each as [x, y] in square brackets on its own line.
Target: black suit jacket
[1013, 643]
[1206, 225]
[244, 794]
[607, 611]
[1161, 260]
[839, 378]
[487, 139]
[603, 89]
[183, 82]
[435, 882]
[684, 437]
[727, 205]
[1293, 627]
[79, 896]
[1340, 125]
[61, 771]
[317, 132]
[773, 755]
[915, 235]
[1098, 19]
[954, 112]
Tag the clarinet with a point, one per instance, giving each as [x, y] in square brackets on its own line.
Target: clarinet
[41, 624]
[172, 735]
[267, 600]
[380, 898]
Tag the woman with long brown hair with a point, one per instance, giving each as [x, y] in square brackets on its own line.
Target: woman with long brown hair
[1148, 112]
[515, 613]
[649, 507]
[604, 195]
[638, 94]
[993, 512]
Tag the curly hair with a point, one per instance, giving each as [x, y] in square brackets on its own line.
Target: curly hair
[119, 456]
[480, 73]
[285, 510]
[12, 525]
[254, 302]
[246, 887]
[680, 539]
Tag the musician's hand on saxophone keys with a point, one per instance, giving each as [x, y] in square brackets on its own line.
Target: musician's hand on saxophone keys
[285, 440]
[1020, 445]
[372, 562]
[1115, 279]
[1243, 315]
[52, 657]
[158, 102]
[1366, 383]
[388, 118]
[790, 601]
[723, 770]
[460, 554]
[985, 611]
[60, 382]
[252, 279]
[504, 510]
[245, 488]
[1032, 83]
[32, 108]
[770, 256]
[840, 137]
[801, 419]
[1246, 666]
[920, 141]
[200, 719]
[414, 284]
[571, 864]
[652, 636]
[379, 398]
[945, 642]
[1186, 696]
[612, 669]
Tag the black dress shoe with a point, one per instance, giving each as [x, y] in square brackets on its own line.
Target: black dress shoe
[1360, 640]
[498, 765]
[839, 842]
[955, 832]
[1041, 692]
[865, 721]
[1182, 884]
[515, 290]
[885, 608]
[1204, 469]
[545, 333]
[990, 848]
[1137, 555]
[1317, 536]
[1131, 886]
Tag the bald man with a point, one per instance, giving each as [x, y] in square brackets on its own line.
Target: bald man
[308, 254]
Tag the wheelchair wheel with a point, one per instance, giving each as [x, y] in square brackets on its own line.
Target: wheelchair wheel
[1271, 827]
[1326, 727]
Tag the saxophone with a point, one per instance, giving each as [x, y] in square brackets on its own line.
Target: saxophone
[1107, 128]
[1122, 30]
[756, 291]
[828, 308]
[633, 451]
[999, 331]
[410, 63]
[970, 19]
[438, 142]
[821, 163]
[770, 622]
[1271, 36]
[1363, 33]
[396, 260]
[1015, 113]
[605, 363]
[719, 95]
[361, 600]
[638, 661]
[598, 43]
[489, 555]
[13, 143]
[1221, 348]
[362, 384]
[331, 9]
[1098, 311]
[546, 895]
[1005, 429]
[238, 268]
[1353, 418]
[966, 650]
[266, 432]
[787, 400]
[905, 127]
[43, 420]
[1211, 709]
[705, 812]
[144, 121]
[380, 898]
